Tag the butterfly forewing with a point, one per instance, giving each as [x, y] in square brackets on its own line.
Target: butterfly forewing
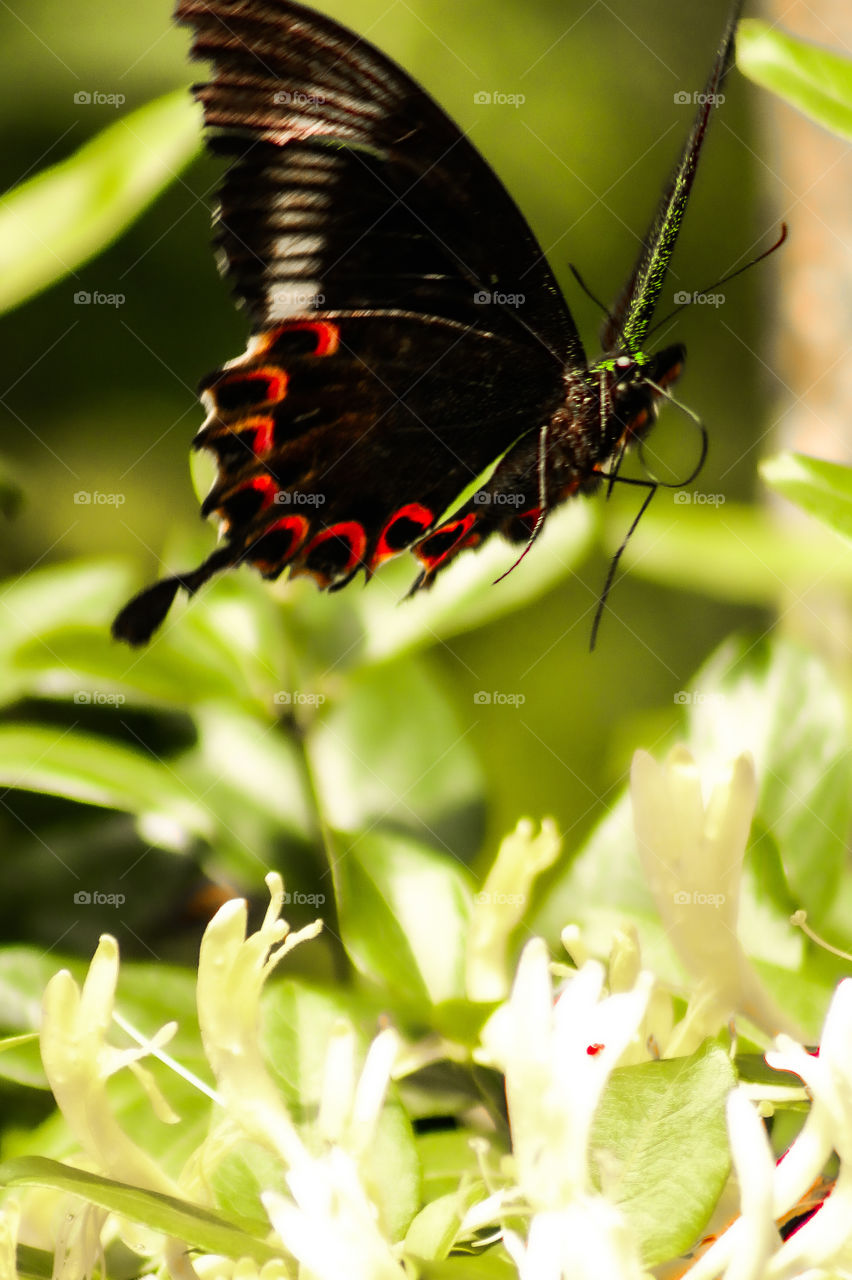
[350, 183]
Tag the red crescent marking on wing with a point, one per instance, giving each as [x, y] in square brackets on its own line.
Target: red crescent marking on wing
[464, 526]
[413, 511]
[354, 534]
[264, 434]
[265, 485]
[327, 334]
[275, 379]
[296, 525]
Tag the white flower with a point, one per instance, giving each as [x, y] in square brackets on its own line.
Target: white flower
[557, 1056]
[751, 1249]
[232, 970]
[330, 1224]
[692, 854]
[78, 1061]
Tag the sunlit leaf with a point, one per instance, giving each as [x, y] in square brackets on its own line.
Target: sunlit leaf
[660, 1143]
[816, 80]
[56, 221]
[823, 489]
[185, 1221]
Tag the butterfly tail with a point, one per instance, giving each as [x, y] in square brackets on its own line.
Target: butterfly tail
[142, 615]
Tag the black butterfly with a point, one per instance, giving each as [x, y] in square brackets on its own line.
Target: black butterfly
[373, 249]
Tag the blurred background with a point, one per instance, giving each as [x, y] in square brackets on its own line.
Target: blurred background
[102, 398]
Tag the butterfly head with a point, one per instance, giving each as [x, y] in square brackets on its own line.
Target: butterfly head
[631, 387]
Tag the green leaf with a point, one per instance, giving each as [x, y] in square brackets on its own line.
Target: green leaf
[816, 80]
[403, 912]
[446, 1157]
[20, 1061]
[660, 1147]
[433, 1232]
[298, 1019]
[823, 489]
[44, 600]
[180, 1219]
[57, 220]
[484, 1266]
[728, 551]
[244, 762]
[782, 705]
[94, 771]
[393, 750]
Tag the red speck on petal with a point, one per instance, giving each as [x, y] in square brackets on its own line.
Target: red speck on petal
[594, 1049]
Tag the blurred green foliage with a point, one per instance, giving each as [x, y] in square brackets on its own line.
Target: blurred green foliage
[375, 751]
[100, 399]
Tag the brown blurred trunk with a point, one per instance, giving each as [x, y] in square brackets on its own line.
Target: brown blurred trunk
[813, 192]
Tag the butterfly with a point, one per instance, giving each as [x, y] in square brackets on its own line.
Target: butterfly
[391, 364]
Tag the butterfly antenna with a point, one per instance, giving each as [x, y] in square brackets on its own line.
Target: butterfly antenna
[732, 275]
[587, 291]
[542, 504]
[613, 568]
[705, 443]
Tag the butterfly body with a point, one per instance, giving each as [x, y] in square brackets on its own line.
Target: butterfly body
[408, 337]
